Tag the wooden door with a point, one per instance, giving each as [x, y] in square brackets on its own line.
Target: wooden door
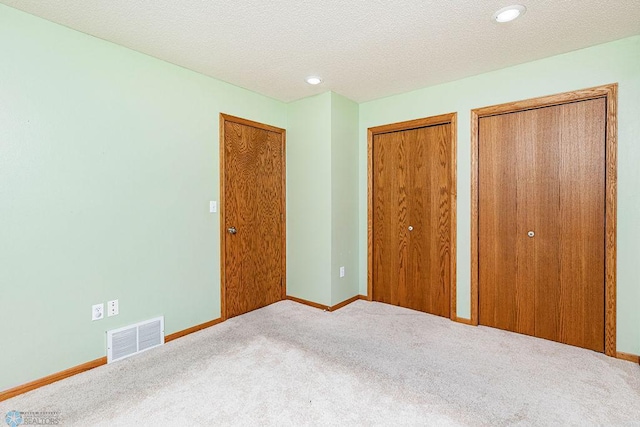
[253, 215]
[412, 217]
[541, 231]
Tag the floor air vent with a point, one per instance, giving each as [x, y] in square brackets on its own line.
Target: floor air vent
[133, 339]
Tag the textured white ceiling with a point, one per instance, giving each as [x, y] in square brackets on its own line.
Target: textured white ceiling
[363, 49]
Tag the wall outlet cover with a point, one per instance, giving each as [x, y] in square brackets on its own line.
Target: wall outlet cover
[97, 311]
[113, 308]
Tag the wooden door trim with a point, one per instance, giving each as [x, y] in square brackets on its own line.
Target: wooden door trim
[223, 232]
[443, 119]
[610, 93]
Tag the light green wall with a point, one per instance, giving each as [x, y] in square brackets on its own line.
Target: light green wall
[344, 198]
[322, 198]
[608, 63]
[108, 160]
[309, 199]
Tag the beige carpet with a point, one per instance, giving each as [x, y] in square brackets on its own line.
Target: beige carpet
[366, 364]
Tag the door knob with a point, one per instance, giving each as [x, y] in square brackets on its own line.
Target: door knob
[411, 228]
[531, 234]
[232, 230]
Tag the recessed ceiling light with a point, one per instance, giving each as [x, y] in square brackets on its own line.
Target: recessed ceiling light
[509, 13]
[314, 80]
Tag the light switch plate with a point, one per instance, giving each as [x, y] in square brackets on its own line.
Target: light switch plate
[213, 206]
[341, 271]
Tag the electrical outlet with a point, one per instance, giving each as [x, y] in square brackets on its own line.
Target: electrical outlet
[97, 311]
[341, 271]
[112, 308]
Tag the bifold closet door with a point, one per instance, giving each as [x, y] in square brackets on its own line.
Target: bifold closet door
[542, 222]
[411, 218]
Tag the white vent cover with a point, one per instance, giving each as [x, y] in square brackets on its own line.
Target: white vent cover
[133, 339]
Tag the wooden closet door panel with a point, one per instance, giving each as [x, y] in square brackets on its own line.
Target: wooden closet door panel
[419, 212]
[527, 194]
[440, 155]
[390, 247]
[543, 207]
[582, 215]
[429, 204]
[506, 297]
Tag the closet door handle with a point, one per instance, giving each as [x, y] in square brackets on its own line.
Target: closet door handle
[531, 233]
[410, 228]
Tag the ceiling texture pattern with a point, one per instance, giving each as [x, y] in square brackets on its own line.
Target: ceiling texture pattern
[363, 49]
